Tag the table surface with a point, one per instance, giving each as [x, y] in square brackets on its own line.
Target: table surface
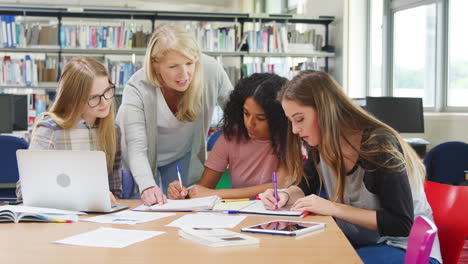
[32, 243]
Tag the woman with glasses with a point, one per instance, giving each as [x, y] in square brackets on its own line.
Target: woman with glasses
[82, 117]
[166, 111]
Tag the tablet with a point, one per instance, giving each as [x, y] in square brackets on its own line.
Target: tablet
[284, 227]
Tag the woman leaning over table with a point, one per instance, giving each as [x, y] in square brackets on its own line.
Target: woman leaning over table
[373, 177]
[82, 118]
[166, 111]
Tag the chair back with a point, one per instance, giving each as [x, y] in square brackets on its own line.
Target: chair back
[446, 162]
[212, 138]
[420, 240]
[448, 204]
[8, 164]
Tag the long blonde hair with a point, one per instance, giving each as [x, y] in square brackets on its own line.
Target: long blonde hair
[170, 38]
[73, 94]
[337, 116]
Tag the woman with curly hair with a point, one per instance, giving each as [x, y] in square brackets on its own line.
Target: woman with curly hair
[252, 145]
[373, 178]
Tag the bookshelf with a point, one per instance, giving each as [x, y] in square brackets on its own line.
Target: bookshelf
[104, 34]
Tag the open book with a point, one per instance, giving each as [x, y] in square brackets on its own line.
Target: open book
[217, 237]
[184, 205]
[16, 214]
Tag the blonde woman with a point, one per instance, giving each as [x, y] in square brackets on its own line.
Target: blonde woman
[372, 177]
[82, 117]
[166, 110]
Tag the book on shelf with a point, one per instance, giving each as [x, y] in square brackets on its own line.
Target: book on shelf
[16, 214]
[122, 35]
[217, 237]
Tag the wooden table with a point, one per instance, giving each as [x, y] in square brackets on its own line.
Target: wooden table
[32, 243]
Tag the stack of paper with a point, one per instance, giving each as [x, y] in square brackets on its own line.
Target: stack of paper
[204, 203]
[217, 237]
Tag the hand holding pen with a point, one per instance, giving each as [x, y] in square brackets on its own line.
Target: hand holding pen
[176, 189]
[269, 201]
[274, 179]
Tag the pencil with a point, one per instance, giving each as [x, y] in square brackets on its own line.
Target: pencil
[238, 200]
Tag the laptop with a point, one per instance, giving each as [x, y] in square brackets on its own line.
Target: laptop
[65, 179]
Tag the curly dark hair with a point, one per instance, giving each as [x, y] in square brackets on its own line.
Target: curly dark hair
[263, 88]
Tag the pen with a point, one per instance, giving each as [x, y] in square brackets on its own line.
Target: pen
[238, 200]
[275, 188]
[305, 213]
[178, 175]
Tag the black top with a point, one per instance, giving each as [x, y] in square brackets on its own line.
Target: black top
[390, 186]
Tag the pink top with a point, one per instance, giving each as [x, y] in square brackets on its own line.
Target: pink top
[250, 162]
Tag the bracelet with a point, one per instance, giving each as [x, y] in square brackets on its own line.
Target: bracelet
[287, 195]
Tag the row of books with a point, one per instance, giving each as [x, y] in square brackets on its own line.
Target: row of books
[120, 72]
[216, 39]
[283, 69]
[7, 31]
[23, 35]
[27, 70]
[126, 35]
[122, 36]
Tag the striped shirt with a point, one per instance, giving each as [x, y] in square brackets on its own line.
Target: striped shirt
[48, 135]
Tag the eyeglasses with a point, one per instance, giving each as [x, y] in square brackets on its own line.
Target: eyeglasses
[108, 94]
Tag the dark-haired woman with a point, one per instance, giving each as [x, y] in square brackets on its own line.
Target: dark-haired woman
[252, 145]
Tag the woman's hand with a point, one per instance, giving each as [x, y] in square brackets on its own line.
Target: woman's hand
[199, 191]
[112, 198]
[269, 201]
[174, 191]
[314, 204]
[153, 195]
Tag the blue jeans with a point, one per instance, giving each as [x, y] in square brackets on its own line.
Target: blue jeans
[168, 172]
[385, 254]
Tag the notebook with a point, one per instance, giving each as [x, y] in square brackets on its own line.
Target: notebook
[184, 205]
[64, 179]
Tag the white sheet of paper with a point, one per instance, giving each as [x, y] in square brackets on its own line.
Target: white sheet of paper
[204, 203]
[109, 237]
[234, 206]
[207, 221]
[127, 217]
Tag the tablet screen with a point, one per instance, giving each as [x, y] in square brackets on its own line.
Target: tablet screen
[284, 227]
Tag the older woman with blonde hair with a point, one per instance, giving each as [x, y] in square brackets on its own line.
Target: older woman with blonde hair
[166, 111]
[372, 176]
[82, 117]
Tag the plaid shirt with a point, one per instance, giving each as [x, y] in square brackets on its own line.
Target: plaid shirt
[48, 135]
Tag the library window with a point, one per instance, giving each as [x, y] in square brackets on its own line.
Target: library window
[457, 92]
[414, 42]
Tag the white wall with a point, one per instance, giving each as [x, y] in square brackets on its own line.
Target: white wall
[443, 127]
[355, 71]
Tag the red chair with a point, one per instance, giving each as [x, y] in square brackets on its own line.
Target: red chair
[448, 204]
[420, 240]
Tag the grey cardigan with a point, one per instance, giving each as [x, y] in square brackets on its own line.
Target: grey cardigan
[137, 120]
